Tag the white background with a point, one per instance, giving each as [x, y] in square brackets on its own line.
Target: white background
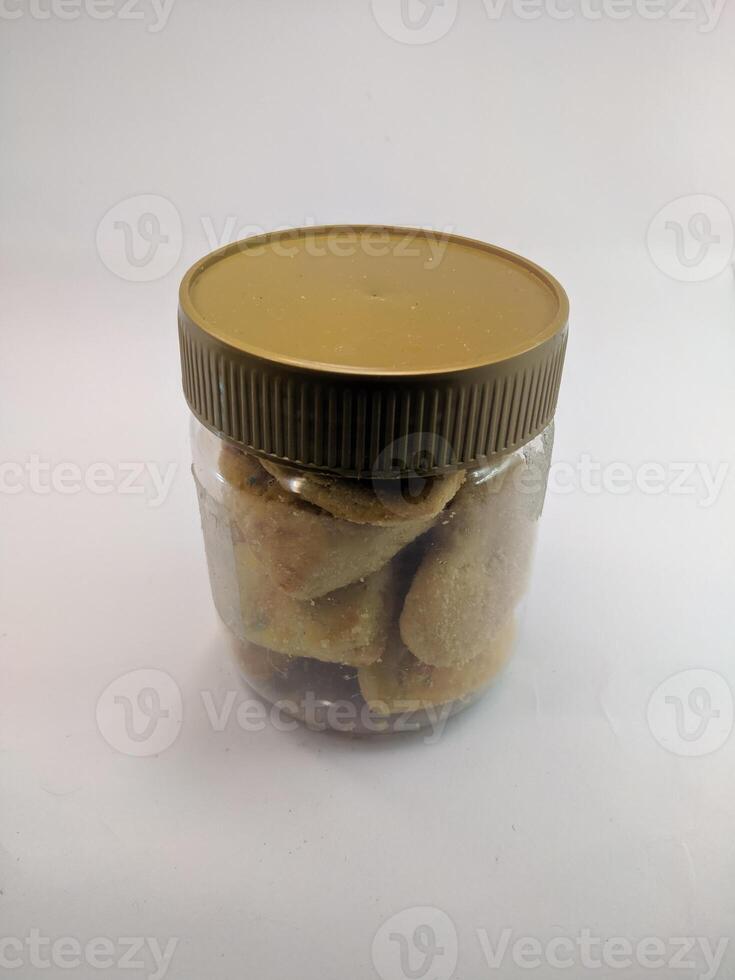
[551, 808]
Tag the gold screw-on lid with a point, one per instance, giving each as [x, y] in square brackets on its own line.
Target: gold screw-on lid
[370, 350]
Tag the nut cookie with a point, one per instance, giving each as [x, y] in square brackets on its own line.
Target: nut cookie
[306, 551]
[399, 682]
[384, 503]
[260, 663]
[349, 626]
[475, 568]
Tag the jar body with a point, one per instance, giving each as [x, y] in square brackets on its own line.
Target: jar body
[369, 606]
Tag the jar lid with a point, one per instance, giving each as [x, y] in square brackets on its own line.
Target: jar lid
[371, 350]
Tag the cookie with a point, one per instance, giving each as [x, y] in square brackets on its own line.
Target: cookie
[380, 502]
[349, 626]
[261, 664]
[306, 551]
[399, 682]
[477, 562]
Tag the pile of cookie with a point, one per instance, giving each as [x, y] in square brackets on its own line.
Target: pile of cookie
[416, 590]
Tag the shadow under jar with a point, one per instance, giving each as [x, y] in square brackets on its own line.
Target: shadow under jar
[373, 424]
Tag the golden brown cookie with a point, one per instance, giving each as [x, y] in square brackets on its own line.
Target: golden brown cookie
[307, 552]
[261, 664]
[476, 565]
[349, 626]
[380, 502]
[399, 682]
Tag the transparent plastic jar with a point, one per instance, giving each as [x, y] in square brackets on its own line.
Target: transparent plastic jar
[369, 606]
[371, 445]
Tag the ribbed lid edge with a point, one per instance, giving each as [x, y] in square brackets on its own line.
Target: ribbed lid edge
[369, 425]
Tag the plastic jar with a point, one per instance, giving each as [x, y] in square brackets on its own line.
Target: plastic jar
[372, 436]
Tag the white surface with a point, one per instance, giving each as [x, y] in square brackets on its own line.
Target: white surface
[549, 809]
